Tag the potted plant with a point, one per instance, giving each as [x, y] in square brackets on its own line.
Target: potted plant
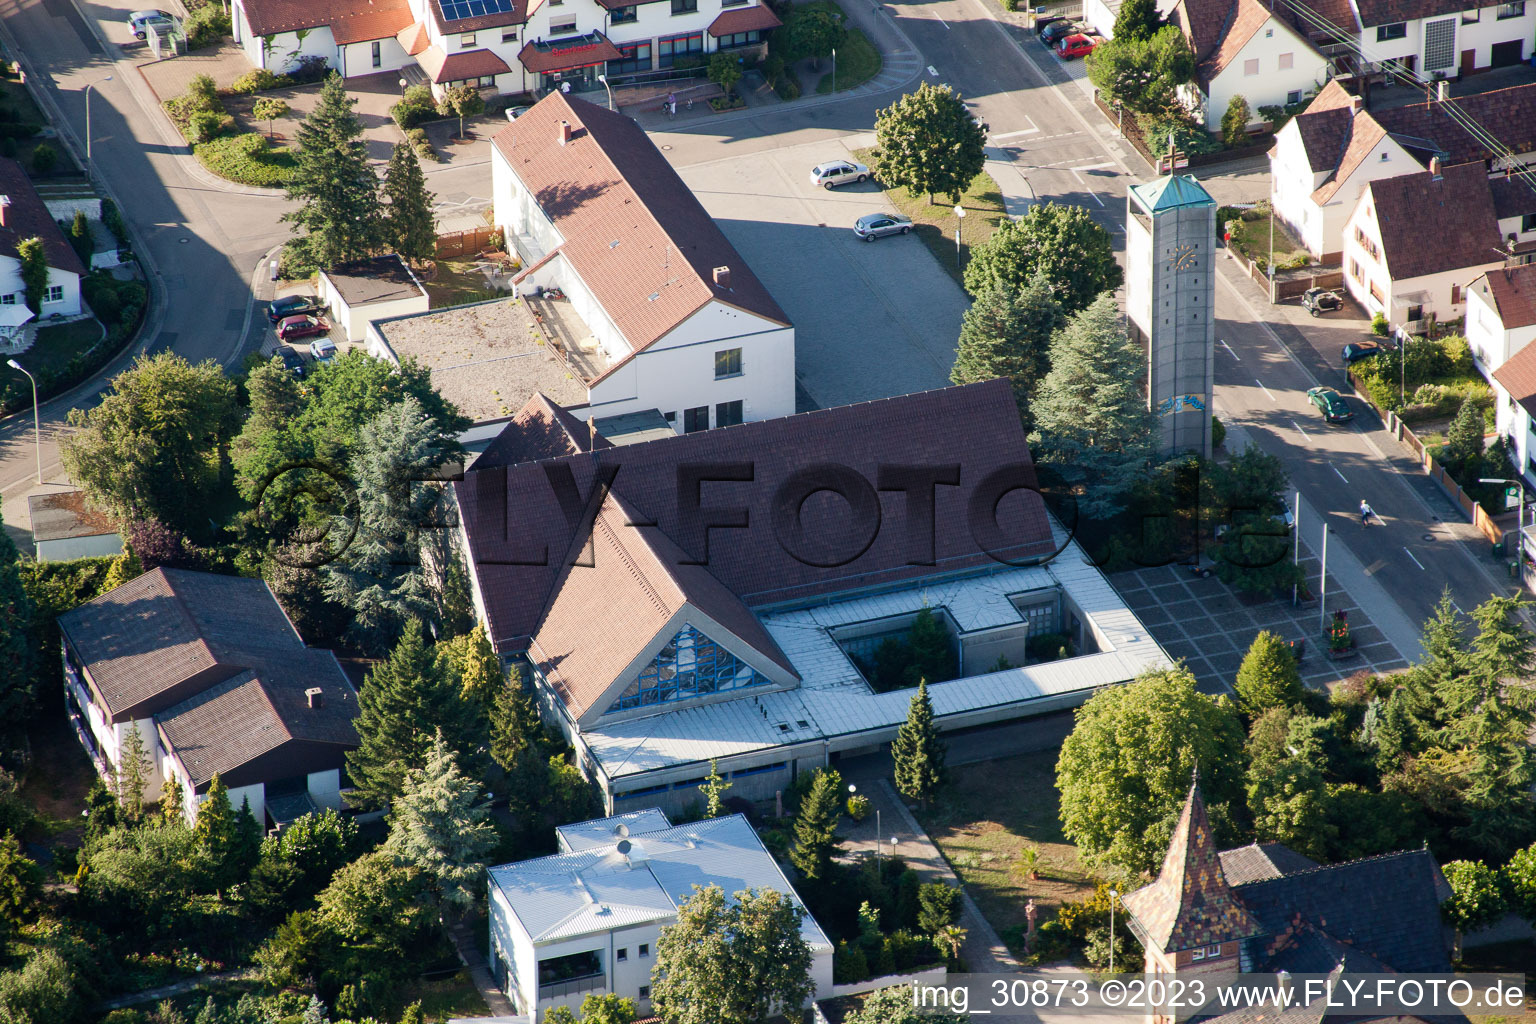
[1340, 643]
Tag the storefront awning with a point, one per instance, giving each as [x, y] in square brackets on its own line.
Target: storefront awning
[567, 54]
[747, 19]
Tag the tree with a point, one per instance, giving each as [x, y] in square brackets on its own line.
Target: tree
[80, 238]
[1255, 555]
[917, 751]
[20, 884]
[949, 939]
[930, 650]
[316, 846]
[379, 574]
[125, 568]
[462, 101]
[714, 791]
[609, 1008]
[1268, 677]
[816, 825]
[1234, 123]
[1062, 243]
[269, 109]
[131, 774]
[938, 907]
[1143, 74]
[928, 142]
[1125, 768]
[518, 746]
[1251, 481]
[725, 71]
[153, 446]
[373, 911]
[1464, 439]
[403, 702]
[440, 825]
[1476, 900]
[338, 214]
[814, 32]
[18, 659]
[736, 963]
[1137, 20]
[471, 662]
[1519, 878]
[1091, 414]
[34, 271]
[409, 226]
[1007, 333]
[896, 1005]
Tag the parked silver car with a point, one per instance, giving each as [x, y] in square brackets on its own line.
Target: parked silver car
[877, 225]
[137, 19]
[838, 172]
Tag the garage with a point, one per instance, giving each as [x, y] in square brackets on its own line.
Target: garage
[1506, 54]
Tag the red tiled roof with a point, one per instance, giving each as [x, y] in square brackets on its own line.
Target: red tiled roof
[26, 217]
[516, 16]
[543, 430]
[585, 51]
[350, 21]
[464, 65]
[1362, 135]
[634, 232]
[1389, 12]
[1455, 210]
[1324, 126]
[1513, 196]
[744, 19]
[511, 515]
[1510, 114]
[1512, 293]
[1518, 376]
[414, 38]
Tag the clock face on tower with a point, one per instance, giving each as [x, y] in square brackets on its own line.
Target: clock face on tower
[1184, 256]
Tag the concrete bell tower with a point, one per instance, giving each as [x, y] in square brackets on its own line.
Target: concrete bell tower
[1170, 289]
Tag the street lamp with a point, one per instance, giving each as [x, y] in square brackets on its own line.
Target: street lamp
[1519, 523]
[403, 86]
[88, 89]
[834, 69]
[604, 80]
[1112, 895]
[959, 227]
[37, 423]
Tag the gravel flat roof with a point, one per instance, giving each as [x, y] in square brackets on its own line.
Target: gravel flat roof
[487, 358]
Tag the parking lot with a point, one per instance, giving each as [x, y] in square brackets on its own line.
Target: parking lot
[882, 310]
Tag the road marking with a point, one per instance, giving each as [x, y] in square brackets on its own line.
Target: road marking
[1095, 197]
[1302, 432]
[1091, 167]
[1234, 355]
[1263, 388]
[1415, 560]
[941, 21]
[1014, 135]
[933, 71]
[1336, 472]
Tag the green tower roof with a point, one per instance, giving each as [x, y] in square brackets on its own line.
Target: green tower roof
[1171, 192]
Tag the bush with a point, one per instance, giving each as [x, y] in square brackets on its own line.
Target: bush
[247, 159]
[414, 107]
[849, 964]
[112, 217]
[788, 86]
[44, 158]
[206, 26]
[308, 69]
[259, 80]
[858, 807]
[1379, 325]
[205, 126]
[202, 94]
[1218, 432]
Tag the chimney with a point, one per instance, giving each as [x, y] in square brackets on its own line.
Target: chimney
[1442, 90]
[1434, 168]
[1283, 983]
[316, 697]
[565, 132]
[5, 210]
[722, 277]
[592, 444]
[1356, 104]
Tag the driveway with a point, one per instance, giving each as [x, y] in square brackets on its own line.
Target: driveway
[872, 320]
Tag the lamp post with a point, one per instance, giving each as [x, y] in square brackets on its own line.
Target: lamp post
[1112, 895]
[604, 80]
[959, 228]
[834, 69]
[1519, 523]
[88, 89]
[403, 86]
[37, 423]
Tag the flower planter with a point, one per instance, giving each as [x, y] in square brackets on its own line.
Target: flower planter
[1340, 655]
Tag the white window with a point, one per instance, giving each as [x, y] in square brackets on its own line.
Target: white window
[378, 56]
[54, 293]
[466, 40]
[8, 300]
[1211, 952]
[1294, 96]
[563, 26]
[509, 35]
[1251, 67]
[1384, 157]
[1471, 17]
[1287, 61]
[1197, 954]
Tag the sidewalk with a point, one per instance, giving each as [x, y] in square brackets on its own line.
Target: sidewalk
[495, 999]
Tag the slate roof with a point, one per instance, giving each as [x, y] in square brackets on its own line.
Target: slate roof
[512, 517]
[376, 279]
[350, 21]
[1190, 904]
[61, 515]
[598, 889]
[1455, 210]
[1258, 861]
[26, 217]
[633, 231]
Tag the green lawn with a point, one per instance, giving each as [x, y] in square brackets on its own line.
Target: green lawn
[58, 344]
[857, 61]
[980, 822]
[935, 222]
[456, 282]
[1252, 238]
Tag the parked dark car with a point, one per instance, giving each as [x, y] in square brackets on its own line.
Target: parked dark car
[1045, 23]
[1358, 350]
[1320, 300]
[292, 305]
[292, 361]
[1059, 30]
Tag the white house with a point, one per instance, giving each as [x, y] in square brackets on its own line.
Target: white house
[1444, 38]
[1501, 324]
[587, 920]
[22, 216]
[370, 289]
[1243, 49]
[215, 679]
[65, 527]
[1414, 242]
[660, 307]
[509, 46]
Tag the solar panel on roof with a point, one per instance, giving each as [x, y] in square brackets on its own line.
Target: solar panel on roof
[457, 10]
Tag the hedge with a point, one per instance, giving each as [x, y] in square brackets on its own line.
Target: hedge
[247, 159]
[260, 80]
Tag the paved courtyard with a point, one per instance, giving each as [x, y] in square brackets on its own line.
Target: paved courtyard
[1210, 626]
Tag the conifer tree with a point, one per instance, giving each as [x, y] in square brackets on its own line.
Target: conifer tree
[172, 811]
[930, 650]
[917, 751]
[402, 704]
[440, 825]
[338, 192]
[131, 775]
[409, 227]
[816, 827]
[1464, 439]
[1007, 333]
[472, 662]
[124, 567]
[1268, 677]
[1136, 21]
[216, 834]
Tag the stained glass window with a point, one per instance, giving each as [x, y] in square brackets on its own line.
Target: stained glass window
[692, 665]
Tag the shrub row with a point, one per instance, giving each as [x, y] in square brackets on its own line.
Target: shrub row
[206, 26]
[260, 80]
[900, 952]
[417, 137]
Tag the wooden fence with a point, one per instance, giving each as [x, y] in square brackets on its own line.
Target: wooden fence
[461, 243]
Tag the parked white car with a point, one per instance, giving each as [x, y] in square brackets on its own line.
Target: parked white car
[838, 172]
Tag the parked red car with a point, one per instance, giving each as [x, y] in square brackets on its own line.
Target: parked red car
[1076, 46]
[304, 326]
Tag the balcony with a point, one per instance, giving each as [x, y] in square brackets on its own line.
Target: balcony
[571, 986]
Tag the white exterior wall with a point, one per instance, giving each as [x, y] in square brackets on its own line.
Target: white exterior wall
[1327, 225]
[355, 318]
[514, 207]
[1101, 15]
[325, 789]
[238, 795]
[1436, 290]
[248, 40]
[1491, 344]
[285, 49]
[11, 284]
[357, 58]
[1488, 29]
[1292, 183]
[1396, 296]
[70, 548]
[1272, 83]
[1512, 421]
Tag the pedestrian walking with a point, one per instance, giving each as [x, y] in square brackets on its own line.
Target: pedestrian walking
[565, 87]
[1367, 514]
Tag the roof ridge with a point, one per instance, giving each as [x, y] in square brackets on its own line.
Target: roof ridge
[1340, 864]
